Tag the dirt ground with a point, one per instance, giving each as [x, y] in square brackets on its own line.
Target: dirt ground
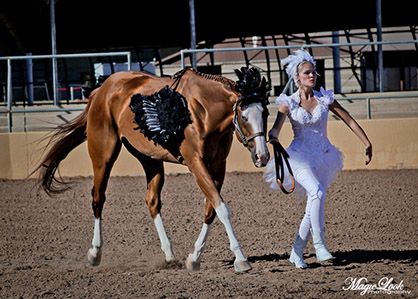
[371, 221]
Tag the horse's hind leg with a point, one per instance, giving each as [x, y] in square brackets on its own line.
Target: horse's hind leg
[103, 151]
[155, 180]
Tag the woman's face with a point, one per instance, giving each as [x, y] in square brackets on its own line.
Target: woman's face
[307, 75]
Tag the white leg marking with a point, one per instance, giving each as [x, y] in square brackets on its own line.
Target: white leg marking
[200, 244]
[98, 236]
[165, 243]
[94, 254]
[225, 217]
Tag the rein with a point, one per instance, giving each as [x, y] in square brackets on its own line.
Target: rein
[245, 139]
[280, 154]
[177, 77]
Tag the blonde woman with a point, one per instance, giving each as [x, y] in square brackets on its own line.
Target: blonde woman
[314, 160]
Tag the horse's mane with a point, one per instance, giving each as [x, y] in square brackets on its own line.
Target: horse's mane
[218, 78]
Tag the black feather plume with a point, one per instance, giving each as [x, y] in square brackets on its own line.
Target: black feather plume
[252, 87]
[162, 116]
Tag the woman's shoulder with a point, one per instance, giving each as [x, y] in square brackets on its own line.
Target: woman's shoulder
[289, 101]
[324, 96]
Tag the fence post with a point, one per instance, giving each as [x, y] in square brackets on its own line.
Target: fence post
[9, 94]
[369, 112]
[128, 57]
[182, 59]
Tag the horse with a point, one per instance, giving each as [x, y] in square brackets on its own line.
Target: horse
[215, 105]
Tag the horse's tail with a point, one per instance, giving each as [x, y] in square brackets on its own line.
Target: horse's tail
[65, 138]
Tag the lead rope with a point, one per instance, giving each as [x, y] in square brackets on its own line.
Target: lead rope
[280, 154]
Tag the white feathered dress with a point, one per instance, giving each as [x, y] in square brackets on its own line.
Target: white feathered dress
[310, 147]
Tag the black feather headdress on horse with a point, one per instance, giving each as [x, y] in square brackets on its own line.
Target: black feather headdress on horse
[252, 87]
[162, 116]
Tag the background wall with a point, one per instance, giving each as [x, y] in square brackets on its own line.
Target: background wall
[395, 145]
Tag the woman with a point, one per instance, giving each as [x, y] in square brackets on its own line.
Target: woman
[314, 160]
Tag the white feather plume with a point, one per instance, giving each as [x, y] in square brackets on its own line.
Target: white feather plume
[293, 61]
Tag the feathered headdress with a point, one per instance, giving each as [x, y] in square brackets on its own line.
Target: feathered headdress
[293, 61]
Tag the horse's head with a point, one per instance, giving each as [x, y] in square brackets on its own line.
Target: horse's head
[250, 114]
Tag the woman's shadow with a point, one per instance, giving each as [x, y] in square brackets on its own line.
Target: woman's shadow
[357, 256]
[361, 256]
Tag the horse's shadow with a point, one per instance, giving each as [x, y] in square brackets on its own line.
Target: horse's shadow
[271, 257]
[357, 256]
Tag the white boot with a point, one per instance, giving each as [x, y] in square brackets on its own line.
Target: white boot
[322, 253]
[296, 256]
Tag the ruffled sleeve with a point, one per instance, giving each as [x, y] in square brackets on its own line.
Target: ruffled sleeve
[286, 100]
[325, 96]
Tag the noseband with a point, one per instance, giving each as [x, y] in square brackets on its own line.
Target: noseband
[245, 139]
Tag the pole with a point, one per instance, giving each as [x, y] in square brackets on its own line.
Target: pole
[379, 39]
[192, 33]
[54, 52]
[336, 61]
[9, 85]
[9, 94]
[29, 79]
[128, 58]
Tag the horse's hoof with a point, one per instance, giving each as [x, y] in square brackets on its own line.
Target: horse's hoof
[94, 256]
[242, 266]
[170, 259]
[192, 265]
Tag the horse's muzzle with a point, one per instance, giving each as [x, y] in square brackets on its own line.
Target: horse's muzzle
[261, 160]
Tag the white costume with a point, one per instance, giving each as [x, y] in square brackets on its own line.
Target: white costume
[314, 160]
[315, 163]
[310, 149]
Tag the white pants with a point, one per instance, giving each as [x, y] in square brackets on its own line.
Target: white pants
[315, 205]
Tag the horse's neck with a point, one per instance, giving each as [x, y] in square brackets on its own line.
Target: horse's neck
[212, 101]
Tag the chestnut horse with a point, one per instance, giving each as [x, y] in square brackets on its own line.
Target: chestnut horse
[216, 105]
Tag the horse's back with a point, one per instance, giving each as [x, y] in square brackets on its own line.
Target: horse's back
[114, 95]
[131, 82]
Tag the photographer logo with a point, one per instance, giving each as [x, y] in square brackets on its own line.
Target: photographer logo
[384, 286]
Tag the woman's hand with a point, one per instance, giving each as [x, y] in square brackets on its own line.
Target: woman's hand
[278, 124]
[273, 134]
[369, 154]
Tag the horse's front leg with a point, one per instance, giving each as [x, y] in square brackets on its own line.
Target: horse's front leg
[211, 192]
[193, 260]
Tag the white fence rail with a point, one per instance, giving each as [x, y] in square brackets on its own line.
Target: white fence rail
[55, 80]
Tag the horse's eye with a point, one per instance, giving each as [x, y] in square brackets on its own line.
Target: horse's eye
[244, 118]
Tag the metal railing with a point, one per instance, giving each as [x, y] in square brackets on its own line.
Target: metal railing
[183, 52]
[332, 45]
[55, 80]
[302, 46]
[368, 99]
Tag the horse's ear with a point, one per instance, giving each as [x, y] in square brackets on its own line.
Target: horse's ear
[239, 74]
[263, 82]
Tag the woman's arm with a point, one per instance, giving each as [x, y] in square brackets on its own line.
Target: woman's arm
[339, 111]
[278, 124]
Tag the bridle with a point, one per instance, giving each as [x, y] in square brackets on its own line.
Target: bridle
[245, 140]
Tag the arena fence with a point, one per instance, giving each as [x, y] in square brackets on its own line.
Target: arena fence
[55, 79]
[184, 52]
[303, 46]
[395, 146]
